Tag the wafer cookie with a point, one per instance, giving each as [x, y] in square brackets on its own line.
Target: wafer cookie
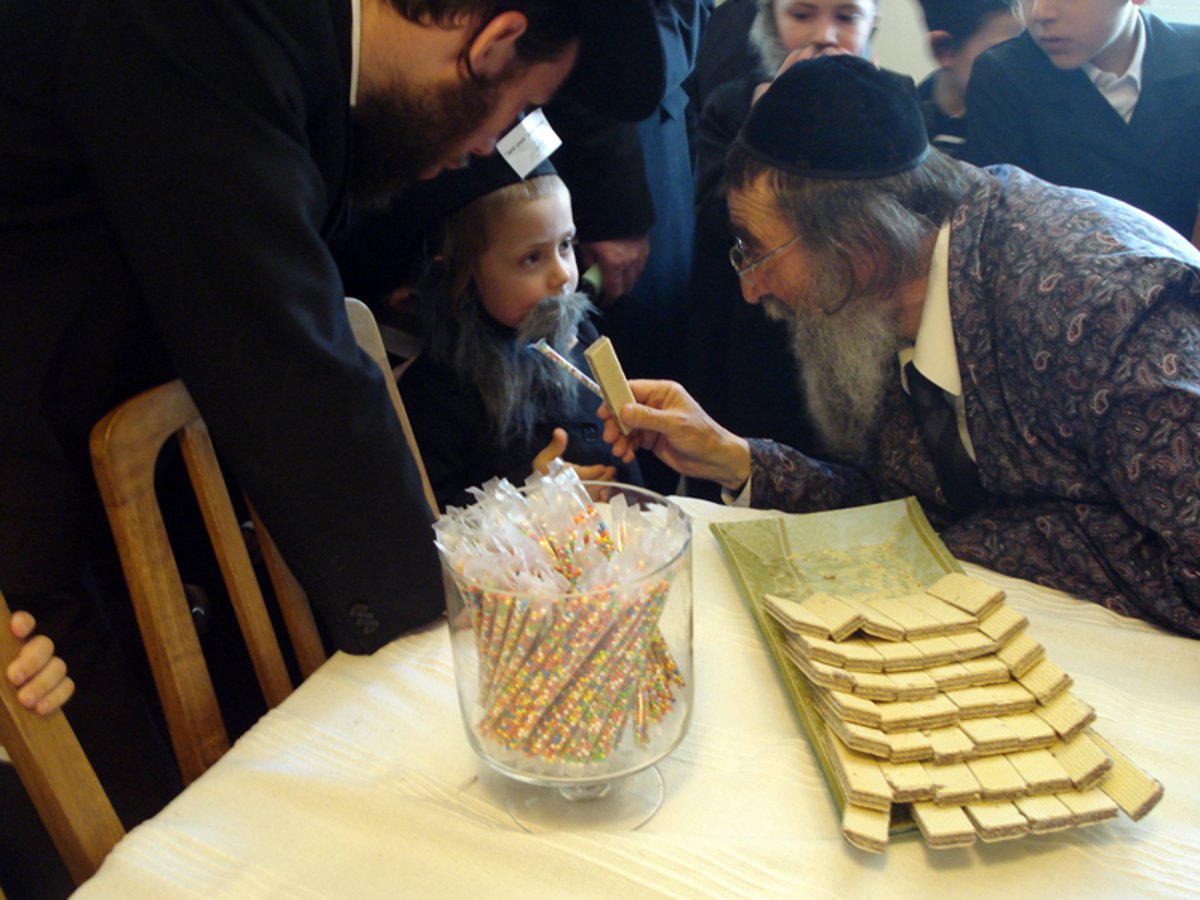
[858, 775]
[1131, 788]
[997, 820]
[1083, 759]
[1041, 771]
[1067, 715]
[1020, 653]
[971, 594]
[915, 621]
[950, 744]
[794, 617]
[1045, 813]
[909, 781]
[998, 779]
[943, 826]
[1045, 680]
[1003, 623]
[866, 829]
[1090, 806]
[953, 783]
[875, 622]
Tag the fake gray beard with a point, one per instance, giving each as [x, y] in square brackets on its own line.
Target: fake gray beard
[519, 387]
[847, 360]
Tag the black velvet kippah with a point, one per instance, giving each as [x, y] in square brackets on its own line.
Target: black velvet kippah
[452, 190]
[838, 117]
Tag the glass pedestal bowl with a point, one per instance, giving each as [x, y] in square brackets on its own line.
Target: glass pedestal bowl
[576, 695]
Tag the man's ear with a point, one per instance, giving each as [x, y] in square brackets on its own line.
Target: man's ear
[494, 48]
[944, 48]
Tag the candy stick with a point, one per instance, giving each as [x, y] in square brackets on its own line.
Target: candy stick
[542, 347]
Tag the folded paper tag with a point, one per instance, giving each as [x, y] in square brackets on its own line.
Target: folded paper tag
[529, 143]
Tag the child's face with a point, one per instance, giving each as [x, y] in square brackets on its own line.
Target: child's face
[530, 255]
[822, 24]
[1073, 32]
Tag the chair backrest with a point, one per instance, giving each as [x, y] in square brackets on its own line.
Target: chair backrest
[56, 773]
[125, 447]
[366, 332]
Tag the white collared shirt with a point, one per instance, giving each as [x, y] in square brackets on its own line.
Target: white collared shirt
[355, 47]
[1122, 91]
[934, 353]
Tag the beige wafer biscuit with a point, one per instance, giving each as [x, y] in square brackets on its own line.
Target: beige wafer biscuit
[859, 776]
[1045, 680]
[943, 826]
[853, 654]
[1020, 653]
[1088, 807]
[908, 715]
[1011, 697]
[850, 707]
[971, 594]
[952, 618]
[1067, 715]
[973, 702]
[986, 670]
[1131, 788]
[876, 623]
[952, 676]
[998, 778]
[874, 685]
[606, 368]
[866, 829]
[997, 820]
[841, 618]
[908, 746]
[834, 677]
[950, 745]
[862, 738]
[914, 621]
[1030, 730]
[953, 783]
[898, 656]
[1045, 813]
[1041, 771]
[913, 685]
[972, 644]
[794, 617]
[937, 649]
[1084, 761]
[909, 781]
[990, 735]
[1003, 623]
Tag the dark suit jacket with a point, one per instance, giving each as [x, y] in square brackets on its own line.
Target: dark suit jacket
[1056, 125]
[169, 174]
[1077, 324]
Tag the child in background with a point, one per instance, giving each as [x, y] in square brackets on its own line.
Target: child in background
[482, 404]
[1096, 94]
[959, 30]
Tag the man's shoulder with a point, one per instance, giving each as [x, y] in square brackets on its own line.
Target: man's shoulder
[1017, 57]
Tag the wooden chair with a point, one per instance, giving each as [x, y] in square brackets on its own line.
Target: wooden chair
[56, 773]
[125, 446]
[366, 332]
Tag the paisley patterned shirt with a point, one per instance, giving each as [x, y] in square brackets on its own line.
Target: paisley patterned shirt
[1077, 325]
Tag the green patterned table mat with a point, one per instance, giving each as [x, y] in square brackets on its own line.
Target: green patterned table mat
[883, 549]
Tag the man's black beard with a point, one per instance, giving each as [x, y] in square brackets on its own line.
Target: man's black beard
[847, 360]
[519, 387]
[400, 134]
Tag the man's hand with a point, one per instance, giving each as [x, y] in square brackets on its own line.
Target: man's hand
[556, 448]
[39, 676]
[621, 263]
[666, 420]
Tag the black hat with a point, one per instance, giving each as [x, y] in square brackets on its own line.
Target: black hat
[455, 188]
[838, 117]
[960, 18]
[620, 71]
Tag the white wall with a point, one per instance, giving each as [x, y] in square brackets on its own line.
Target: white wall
[901, 44]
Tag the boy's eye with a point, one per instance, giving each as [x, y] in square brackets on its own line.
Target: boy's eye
[568, 244]
[531, 259]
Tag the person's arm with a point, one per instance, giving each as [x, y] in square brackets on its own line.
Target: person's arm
[997, 122]
[40, 677]
[214, 136]
[666, 420]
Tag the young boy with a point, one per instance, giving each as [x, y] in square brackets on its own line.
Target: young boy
[1096, 94]
[959, 30]
[504, 275]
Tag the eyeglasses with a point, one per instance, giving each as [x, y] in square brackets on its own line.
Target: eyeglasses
[744, 266]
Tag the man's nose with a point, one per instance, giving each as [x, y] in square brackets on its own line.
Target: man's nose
[752, 292]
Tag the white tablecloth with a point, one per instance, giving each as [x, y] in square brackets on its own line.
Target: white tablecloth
[362, 784]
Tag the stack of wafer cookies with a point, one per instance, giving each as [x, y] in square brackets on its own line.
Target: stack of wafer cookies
[942, 701]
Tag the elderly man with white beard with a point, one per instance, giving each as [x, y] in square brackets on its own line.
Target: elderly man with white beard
[1051, 426]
